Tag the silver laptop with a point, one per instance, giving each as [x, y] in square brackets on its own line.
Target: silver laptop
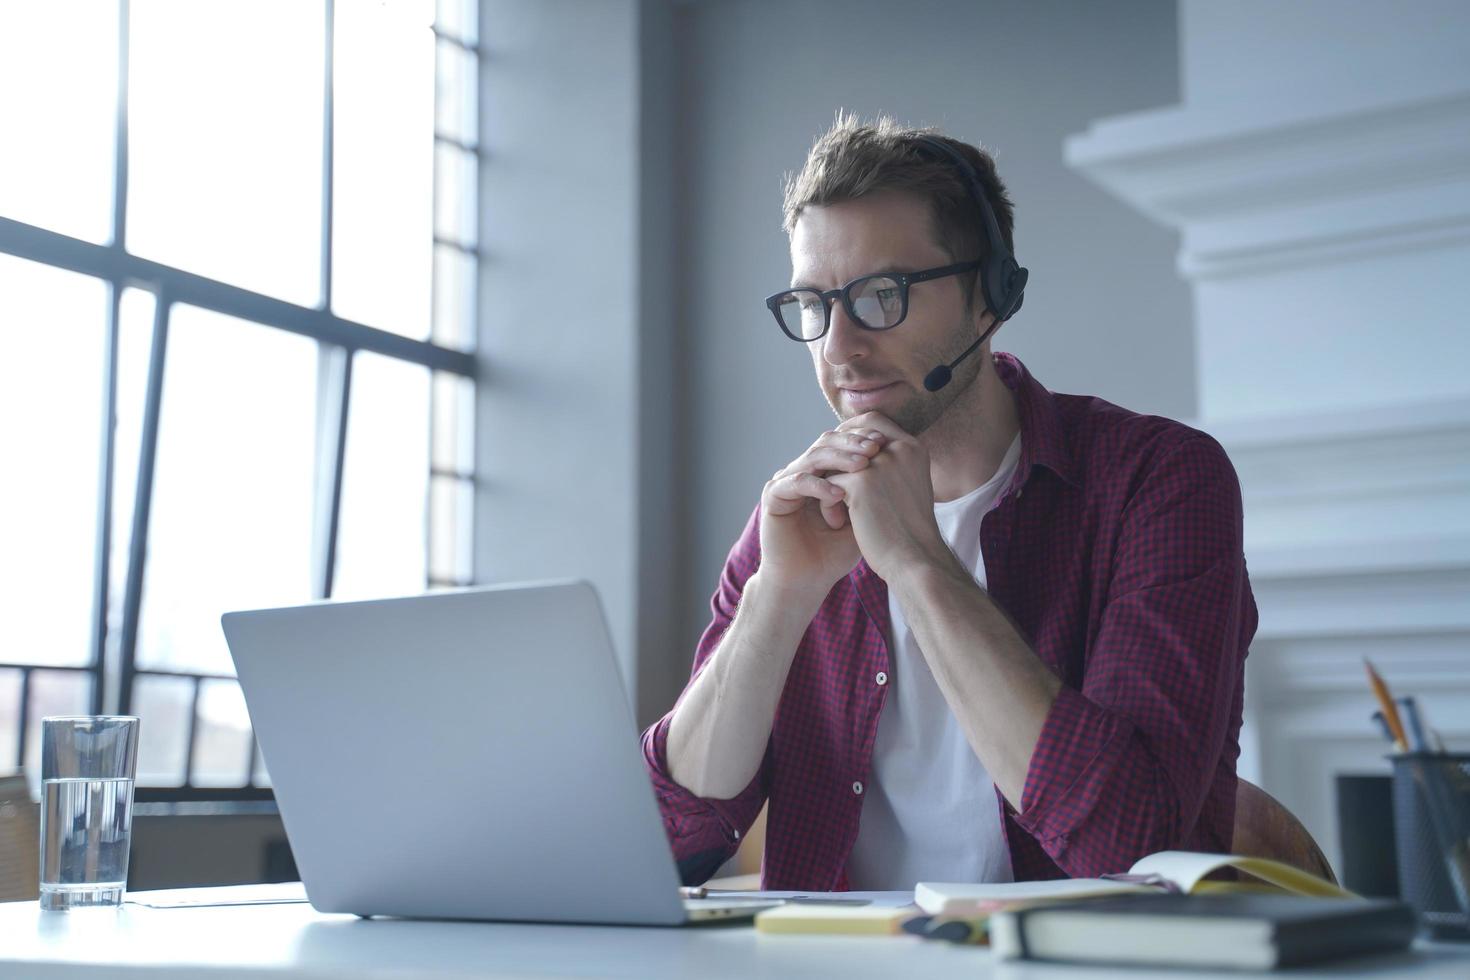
[466, 755]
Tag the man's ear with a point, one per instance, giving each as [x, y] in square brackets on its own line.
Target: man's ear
[984, 322]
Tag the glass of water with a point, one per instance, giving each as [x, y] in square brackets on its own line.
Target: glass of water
[88, 763]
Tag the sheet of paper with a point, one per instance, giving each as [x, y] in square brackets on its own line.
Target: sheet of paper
[1184, 868]
[1187, 868]
[936, 897]
[183, 898]
[871, 899]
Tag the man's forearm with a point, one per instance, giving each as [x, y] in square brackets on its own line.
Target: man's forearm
[997, 687]
[718, 732]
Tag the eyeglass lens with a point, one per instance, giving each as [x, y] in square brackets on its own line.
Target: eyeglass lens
[876, 300]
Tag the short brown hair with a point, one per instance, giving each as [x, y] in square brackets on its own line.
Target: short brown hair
[856, 158]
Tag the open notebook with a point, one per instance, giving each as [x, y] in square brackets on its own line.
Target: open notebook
[1182, 871]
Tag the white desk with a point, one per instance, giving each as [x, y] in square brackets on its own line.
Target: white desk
[296, 941]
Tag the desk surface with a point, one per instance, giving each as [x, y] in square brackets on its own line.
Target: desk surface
[296, 941]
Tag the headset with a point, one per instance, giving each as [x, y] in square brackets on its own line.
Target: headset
[1002, 280]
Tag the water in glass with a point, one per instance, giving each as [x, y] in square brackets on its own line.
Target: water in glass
[86, 827]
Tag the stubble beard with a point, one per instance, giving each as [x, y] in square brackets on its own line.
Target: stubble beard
[918, 414]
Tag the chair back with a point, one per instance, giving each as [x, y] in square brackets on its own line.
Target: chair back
[20, 841]
[1264, 828]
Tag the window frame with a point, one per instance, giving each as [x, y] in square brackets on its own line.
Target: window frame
[338, 340]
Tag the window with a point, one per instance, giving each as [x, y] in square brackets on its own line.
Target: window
[238, 308]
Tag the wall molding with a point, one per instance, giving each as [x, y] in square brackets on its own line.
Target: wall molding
[1258, 188]
[1358, 546]
[1339, 496]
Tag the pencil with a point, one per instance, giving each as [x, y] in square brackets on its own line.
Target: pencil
[1390, 710]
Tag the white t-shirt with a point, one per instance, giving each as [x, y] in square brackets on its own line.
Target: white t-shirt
[929, 808]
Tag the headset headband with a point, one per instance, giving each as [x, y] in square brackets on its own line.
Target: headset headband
[1002, 280]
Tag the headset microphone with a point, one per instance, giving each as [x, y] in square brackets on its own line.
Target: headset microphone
[940, 376]
[1002, 280]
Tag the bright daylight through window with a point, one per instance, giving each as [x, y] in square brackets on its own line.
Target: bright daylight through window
[237, 267]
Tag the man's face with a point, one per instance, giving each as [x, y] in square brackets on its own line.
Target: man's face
[883, 370]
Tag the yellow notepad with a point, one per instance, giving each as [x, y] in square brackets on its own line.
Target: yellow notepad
[807, 918]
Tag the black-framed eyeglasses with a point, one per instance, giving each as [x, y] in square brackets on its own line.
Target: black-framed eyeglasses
[876, 302]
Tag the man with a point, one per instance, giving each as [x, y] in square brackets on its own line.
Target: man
[980, 633]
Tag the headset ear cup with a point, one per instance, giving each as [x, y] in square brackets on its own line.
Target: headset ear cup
[997, 278]
[1015, 288]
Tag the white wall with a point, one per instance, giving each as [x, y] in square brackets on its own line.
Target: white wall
[1328, 52]
[574, 463]
[1105, 312]
[1346, 148]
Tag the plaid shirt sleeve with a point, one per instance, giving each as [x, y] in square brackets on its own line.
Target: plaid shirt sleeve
[704, 833]
[1123, 765]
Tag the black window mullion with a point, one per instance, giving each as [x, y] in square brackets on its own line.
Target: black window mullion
[442, 35]
[115, 264]
[456, 142]
[328, 153]
[24, 716]
[120, 144]
[334, 395]
[189, 735]
[250, 764]
[101, 584]
[142, 502]
[186, 674]
[473, 251]
[429, 493]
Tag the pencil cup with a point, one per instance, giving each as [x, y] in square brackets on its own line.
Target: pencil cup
[1431, 809]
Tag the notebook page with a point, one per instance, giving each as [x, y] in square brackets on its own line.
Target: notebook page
[939, 897]
[1187, 868]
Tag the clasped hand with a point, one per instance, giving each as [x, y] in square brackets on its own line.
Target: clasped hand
[862, 490]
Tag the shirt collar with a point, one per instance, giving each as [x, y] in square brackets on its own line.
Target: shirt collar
[1044, 442]
[1043, 438]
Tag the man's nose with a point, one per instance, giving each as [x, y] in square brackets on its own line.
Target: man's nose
[845, 339]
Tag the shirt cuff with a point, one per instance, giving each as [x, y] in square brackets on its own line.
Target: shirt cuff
[1074, 757]
[685, 814]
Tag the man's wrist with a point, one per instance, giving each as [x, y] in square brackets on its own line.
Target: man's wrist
[920, 580]
[790, 602]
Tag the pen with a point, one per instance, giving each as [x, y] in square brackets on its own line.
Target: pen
[950, 928]
[1385, 701]
[1417, 741]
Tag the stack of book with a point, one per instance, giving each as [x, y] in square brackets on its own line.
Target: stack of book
[1165, 912]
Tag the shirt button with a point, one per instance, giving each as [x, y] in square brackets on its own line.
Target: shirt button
[882, 678]
[857, 789]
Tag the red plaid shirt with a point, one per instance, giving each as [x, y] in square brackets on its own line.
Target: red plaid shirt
[1117, 552]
